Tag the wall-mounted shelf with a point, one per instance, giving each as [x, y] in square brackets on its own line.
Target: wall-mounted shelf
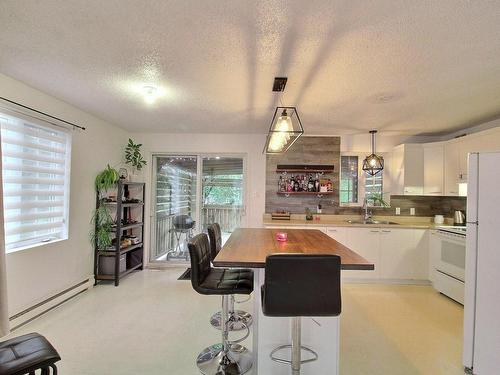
[318, 194]
[301, 168]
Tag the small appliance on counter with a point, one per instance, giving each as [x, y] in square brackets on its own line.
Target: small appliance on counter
[458, 219]
[438, 219]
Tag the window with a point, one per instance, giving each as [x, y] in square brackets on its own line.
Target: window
[373, 188]
[356, 184]
[35, 171]
[349, 179]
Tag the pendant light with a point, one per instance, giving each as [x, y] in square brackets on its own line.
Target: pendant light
[285, 129]
[373, 163]
[286, 126]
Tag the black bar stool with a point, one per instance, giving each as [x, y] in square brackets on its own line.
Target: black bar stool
[238, 319]
[26, 354]
[297, 285]
[228, 357]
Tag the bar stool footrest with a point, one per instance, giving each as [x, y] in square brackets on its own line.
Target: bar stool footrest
[238, 321]
[286, 361]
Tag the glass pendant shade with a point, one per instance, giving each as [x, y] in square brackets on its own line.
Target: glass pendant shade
[285, 129]
[373, 163]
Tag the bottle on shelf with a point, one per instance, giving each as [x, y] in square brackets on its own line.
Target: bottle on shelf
[310, 184]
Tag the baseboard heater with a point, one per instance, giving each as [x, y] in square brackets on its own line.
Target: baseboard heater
[37, 310]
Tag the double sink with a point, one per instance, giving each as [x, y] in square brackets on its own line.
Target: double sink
[369, 221]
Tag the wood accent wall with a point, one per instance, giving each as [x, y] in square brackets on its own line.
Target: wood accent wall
[307, 150]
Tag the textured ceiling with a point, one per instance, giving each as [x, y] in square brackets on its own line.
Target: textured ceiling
[402, 66]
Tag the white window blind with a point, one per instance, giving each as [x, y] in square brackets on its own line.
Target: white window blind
[35, 171]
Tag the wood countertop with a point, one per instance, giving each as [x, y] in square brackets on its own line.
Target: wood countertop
[248, 248]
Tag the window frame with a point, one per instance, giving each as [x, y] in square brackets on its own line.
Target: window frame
[37, 242]
[362, 178]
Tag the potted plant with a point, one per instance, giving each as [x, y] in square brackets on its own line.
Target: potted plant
[101, 219]
[106, 180]
[102, 224]
[133, 156]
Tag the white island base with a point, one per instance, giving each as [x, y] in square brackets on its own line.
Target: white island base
[271, 332]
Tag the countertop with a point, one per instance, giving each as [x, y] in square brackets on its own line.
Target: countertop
[341, 221]
[249, 248]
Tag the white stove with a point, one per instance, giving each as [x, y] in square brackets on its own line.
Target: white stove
[450, 268]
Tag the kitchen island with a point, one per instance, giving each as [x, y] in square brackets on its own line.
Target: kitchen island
[248, 248]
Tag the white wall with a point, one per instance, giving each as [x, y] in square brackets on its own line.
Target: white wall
[40, 272]
[249, 144]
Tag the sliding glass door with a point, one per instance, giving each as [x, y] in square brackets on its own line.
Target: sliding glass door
[175, 195]
[222, 193]
[189, 193]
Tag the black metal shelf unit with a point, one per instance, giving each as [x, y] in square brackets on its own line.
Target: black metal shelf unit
[133, 253]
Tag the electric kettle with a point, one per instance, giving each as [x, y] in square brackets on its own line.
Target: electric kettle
[458, 218]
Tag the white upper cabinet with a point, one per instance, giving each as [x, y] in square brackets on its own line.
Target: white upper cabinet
[452, 167]
[408, 169]
[434, 168]
[438, 168]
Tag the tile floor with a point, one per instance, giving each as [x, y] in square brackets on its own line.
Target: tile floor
[154, 324]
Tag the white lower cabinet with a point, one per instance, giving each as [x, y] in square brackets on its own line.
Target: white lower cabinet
[365, 242]
[403, 254]
[339, 234]
[398, 254]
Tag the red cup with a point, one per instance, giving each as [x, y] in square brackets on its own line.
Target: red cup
[281, 236]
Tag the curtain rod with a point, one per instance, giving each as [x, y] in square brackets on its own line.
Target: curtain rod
[43, 113]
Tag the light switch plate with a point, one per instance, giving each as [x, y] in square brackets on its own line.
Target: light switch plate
[398, 210]
[412, 211]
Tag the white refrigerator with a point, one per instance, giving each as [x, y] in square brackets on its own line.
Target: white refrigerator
[481, 350]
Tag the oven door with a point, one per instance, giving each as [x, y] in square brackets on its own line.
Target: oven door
[452, 255]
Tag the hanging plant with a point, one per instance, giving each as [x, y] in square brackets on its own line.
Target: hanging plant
[102, 222]
[106, 179]
[133, 155]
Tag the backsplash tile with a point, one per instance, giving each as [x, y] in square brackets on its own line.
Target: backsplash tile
[424, 206]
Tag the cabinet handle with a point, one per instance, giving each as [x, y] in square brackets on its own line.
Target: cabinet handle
[386, 231]
[332, 230]
[374, 231]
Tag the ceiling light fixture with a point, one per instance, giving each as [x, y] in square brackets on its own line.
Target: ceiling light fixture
[286, 126]
[373, 163]
[150, 94]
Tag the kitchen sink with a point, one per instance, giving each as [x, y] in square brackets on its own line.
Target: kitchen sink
[372, 222]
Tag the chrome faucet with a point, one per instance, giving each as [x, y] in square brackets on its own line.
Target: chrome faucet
[367, 216]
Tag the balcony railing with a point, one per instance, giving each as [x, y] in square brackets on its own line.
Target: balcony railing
[228, 217]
